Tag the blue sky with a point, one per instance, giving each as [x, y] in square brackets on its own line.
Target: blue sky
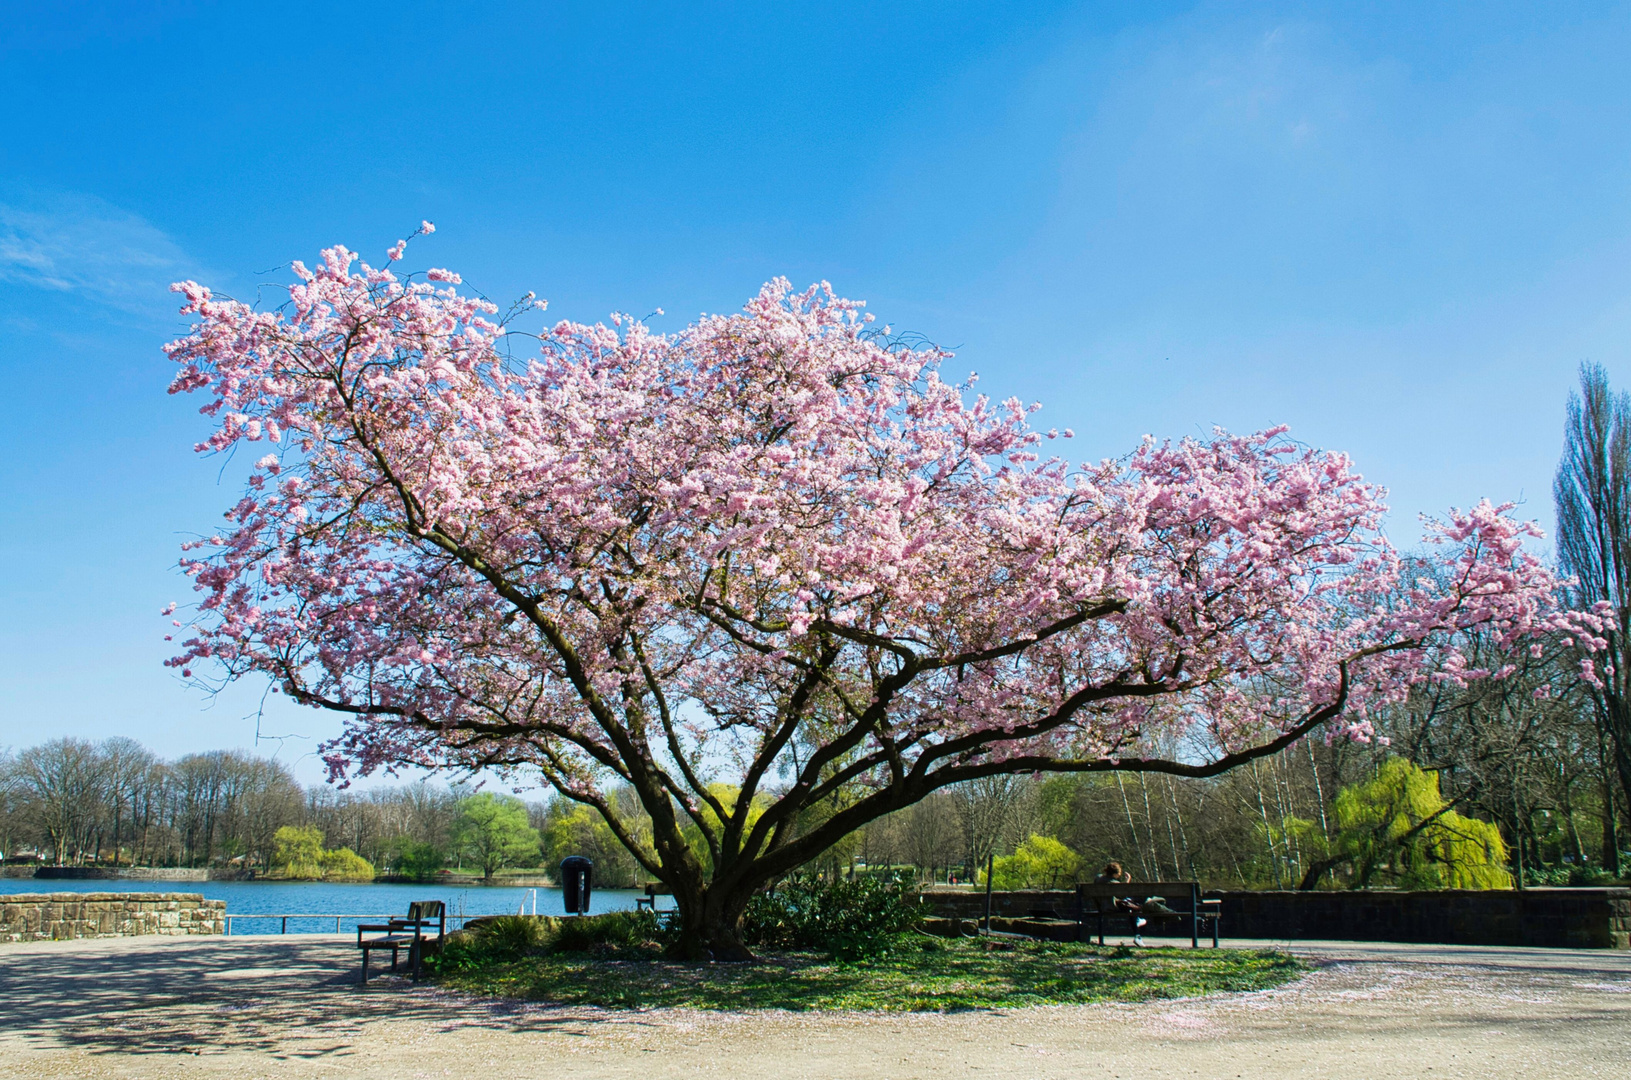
[1398, 230]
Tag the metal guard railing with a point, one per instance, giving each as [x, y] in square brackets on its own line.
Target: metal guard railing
[338, 919]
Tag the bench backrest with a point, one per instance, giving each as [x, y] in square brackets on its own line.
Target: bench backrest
[428, 910]
[1179, 895]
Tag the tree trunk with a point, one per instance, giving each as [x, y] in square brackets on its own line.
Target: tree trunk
[1575, 843]
[1611, 835]
[1621, 742]
[1316, 870]
[1132, 828]
[1517, 844]
[710, 927]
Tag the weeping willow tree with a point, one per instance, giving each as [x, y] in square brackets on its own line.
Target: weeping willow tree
[1039, 862]
[298, 853]
[1397, 828]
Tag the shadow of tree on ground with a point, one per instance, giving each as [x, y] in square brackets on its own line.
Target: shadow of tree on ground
[293, 997]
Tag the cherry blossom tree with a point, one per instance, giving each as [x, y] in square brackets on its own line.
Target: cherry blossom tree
[772, 573]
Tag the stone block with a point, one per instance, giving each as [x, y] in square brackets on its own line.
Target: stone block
[63, 916]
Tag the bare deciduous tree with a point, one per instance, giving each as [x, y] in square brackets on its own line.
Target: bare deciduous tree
[1593, 495]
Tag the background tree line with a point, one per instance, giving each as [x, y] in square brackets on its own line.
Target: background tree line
[70, 802]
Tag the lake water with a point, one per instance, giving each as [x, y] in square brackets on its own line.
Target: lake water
[323, 901]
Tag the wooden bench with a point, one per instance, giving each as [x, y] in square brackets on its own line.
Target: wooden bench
[653, 890]
[1182, 897]
[412, 934]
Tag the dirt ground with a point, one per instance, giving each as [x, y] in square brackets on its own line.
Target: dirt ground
[290, 1007]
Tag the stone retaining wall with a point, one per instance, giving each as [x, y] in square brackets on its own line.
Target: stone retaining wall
[173, 873]
[1552, 918]
[127, 873]
[62, 916]
[956, 903]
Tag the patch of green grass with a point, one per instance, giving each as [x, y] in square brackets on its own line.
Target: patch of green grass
[923, 975]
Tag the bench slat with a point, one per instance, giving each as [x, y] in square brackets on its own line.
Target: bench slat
[1136, 888]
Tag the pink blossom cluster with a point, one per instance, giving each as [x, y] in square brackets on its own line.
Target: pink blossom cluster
[778, 539]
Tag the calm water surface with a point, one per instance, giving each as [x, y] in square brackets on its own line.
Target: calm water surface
[317, 898]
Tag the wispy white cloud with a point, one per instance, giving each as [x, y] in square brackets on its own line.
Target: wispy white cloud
[81, 244]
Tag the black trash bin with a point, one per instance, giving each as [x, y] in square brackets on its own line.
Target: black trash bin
[576, 872]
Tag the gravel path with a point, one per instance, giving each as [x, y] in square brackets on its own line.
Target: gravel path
[290, 1007]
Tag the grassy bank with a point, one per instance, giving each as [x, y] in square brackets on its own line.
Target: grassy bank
[921, 975]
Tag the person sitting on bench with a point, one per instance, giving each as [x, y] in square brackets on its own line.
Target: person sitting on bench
[1138, 914]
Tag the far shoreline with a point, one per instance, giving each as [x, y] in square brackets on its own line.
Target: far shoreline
[200, 874]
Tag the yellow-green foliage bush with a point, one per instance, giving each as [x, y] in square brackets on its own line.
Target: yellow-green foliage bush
[1040, 862]
[297, 852]
[1396, 828]
[343, 864]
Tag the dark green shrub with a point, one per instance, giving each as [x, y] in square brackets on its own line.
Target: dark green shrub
[859, 917]
[622, 929]
[518, 934]
[502, 939]
[1575, 875]
[494, 940]
[416, 859]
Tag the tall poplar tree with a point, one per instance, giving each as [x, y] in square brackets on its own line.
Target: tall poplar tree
[1593, 495]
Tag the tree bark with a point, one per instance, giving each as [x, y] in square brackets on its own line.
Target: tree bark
[1620, 741]
[710, 921]
[1611, 835]
[1316, 870]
